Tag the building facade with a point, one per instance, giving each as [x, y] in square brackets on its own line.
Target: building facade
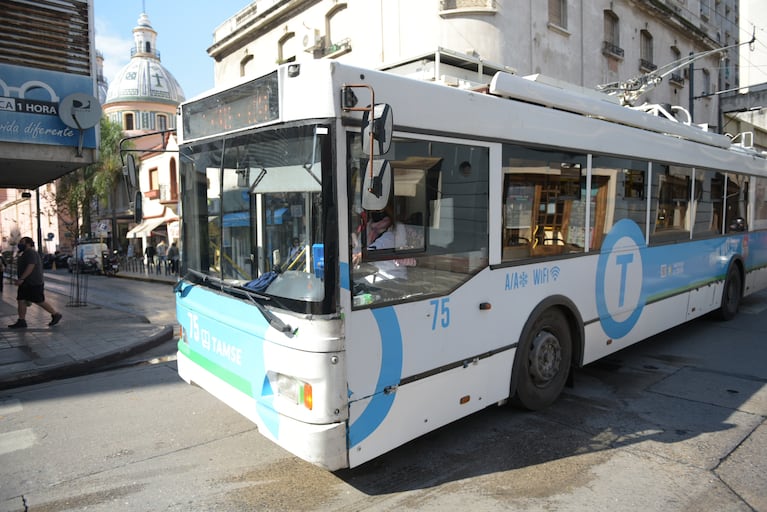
[743, 108]
[49, 112]
[143, 98]
[463, 42]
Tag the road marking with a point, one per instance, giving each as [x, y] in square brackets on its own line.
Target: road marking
[9, 406]
[17, 440]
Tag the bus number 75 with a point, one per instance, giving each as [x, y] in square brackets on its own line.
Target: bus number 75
[441, 310]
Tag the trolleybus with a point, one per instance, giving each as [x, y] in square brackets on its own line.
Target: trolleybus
[367, 257]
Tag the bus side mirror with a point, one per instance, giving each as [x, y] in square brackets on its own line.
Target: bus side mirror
[130, 171]
[380, 129]
[138, 210]
[376, 185]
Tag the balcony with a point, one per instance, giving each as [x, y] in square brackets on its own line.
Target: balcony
[676, 79]
[647, 66]
[447, 7]
[334, 50]
[612, 50]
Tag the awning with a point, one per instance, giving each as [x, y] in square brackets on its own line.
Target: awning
[148, 224]
[145, 228]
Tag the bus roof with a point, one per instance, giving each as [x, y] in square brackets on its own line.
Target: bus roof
[515, 110]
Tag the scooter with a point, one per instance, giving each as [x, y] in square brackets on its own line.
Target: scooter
[110, 263]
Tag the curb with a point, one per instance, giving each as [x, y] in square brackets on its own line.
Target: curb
[84, 366]
[145, 278]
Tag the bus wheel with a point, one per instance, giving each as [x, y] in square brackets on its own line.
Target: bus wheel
[733, 291]
[544, 362]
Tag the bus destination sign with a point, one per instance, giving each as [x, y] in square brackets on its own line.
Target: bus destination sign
[249, 104]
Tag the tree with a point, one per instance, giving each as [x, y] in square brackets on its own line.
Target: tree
[78, 191]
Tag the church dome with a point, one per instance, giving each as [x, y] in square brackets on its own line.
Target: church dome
[144, 78]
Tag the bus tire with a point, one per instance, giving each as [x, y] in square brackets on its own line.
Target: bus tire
[731, 295]
[544, 357]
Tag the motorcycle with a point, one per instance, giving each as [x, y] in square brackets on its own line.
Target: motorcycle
[110, 263]
[88, 265]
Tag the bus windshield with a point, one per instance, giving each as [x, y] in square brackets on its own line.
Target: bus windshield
[253, 215]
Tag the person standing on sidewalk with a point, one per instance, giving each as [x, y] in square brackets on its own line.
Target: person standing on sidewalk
[30, 283]
[173, 258]
[162, 257]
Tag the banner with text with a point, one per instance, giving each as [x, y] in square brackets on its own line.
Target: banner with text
[29, 106]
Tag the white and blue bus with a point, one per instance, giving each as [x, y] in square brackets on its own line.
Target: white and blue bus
[368, 257]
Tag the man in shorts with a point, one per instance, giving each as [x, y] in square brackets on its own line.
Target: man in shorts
[30, 283]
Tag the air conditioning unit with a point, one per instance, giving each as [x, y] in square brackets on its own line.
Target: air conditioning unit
[311, 39]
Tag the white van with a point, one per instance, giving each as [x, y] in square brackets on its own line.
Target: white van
[88, 254]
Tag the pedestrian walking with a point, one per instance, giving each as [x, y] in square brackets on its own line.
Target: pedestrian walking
[30, 284]
[162, 257]
[173, 257]
[150, 252]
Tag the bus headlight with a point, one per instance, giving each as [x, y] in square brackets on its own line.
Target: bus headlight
[295, 390]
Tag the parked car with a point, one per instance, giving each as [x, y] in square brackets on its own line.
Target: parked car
[61, 260]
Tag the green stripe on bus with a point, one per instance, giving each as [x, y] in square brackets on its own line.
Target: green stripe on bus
[222, 373]
[671, 293]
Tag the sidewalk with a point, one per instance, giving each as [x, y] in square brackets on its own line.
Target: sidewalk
[87, 337]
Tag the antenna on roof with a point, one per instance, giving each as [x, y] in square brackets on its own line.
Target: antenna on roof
[630, 90]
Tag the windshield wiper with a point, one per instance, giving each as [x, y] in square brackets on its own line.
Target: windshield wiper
[270, 317]
[196, 277]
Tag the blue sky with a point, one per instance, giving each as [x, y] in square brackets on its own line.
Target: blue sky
[184, 33]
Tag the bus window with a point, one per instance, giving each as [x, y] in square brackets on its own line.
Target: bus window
[760, 208]
[736, 203]
[707, 204]
[544, 203]
[432, 235]
[621, 191]
[670, 219]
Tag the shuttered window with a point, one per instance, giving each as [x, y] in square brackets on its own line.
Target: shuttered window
[46, 34]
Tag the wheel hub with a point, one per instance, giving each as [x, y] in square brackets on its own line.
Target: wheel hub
[545, 357]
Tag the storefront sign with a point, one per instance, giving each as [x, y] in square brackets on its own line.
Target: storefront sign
[30, 106]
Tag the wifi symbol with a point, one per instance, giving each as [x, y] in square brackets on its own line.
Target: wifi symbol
[554, 271]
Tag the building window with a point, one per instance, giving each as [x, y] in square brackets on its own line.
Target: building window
[676, 77]
[646, 61]
[246, 63]
[706, 82]
[705, 9]
[128, 122]
[334, 21]
[335, 43]
[558, 13]
[162, 122]
[612, 42]
[154, 179]
[286, 48]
